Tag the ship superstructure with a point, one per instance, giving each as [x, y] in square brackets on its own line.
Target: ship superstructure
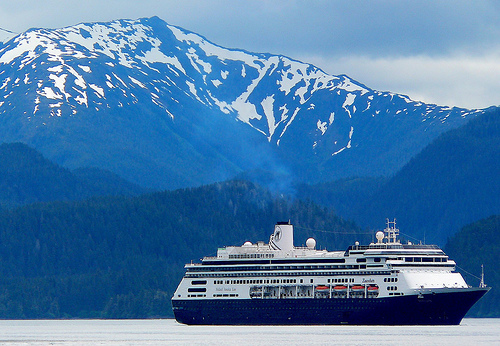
[385, 282]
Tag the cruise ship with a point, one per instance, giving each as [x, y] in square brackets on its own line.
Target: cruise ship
[383, 283]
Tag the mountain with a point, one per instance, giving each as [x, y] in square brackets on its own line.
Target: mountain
[164, 107]
[122, 257]
[474, 245]
[452, 182]
[28, 177]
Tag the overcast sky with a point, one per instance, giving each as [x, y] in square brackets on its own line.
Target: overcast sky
[443, 52]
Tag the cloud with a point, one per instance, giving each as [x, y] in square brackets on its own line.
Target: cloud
[439, 51]
[458, 80]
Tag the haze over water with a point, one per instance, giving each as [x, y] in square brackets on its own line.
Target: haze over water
[169, 332]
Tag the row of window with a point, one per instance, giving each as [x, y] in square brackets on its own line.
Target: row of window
[390, 279]
[264, 281]
[219, 295]
[282, 281]
[340, 280]
[272, 268]
[252, 255]
[195, 295]
[392, 288]
[249, 274]
[425, 259]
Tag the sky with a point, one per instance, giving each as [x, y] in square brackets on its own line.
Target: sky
[445, 52]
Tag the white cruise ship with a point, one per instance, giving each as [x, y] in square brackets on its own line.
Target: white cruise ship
[383, 283]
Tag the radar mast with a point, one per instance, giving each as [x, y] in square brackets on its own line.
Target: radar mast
[391, 232]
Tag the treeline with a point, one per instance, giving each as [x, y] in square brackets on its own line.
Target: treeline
[26, 176]
[122, 257]
[452, 182]
[475, 245]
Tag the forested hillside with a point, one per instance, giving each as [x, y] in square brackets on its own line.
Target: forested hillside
[122, 257]
[27, 177]
[452, 182]
[345, 196]
[474, 245]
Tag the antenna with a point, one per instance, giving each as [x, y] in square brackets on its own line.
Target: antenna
[391, 231]
[482, 284]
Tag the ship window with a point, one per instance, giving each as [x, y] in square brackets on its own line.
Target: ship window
[408, 259]
[426, 259]
[376, 260]
[199, 282]
[197, 289]
[359, 260]
[417, 259]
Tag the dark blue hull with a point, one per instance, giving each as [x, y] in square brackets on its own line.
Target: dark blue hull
[446, 308]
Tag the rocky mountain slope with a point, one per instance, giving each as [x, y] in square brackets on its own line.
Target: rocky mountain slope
[164, 107]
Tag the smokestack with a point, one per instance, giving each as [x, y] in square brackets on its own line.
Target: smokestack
[282, 238]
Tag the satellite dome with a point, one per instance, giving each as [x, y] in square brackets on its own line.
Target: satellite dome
[311, 243]
[379, 235]
[248, 243]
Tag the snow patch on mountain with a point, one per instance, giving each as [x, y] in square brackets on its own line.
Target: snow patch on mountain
[167, 70]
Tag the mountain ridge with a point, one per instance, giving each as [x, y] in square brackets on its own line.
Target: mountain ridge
[452, 182]
[26, 177]
[151, 94]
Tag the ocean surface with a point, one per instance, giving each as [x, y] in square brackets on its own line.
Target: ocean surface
[168, 332]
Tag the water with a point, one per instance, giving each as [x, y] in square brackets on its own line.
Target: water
[168, 332]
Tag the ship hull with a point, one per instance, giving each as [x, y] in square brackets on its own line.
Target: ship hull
[443, 308]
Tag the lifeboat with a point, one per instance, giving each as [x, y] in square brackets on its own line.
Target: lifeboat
[322, 288]
[340, 288]
[373, 288]
[358, 288]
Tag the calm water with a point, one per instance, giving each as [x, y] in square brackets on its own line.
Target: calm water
[168, 332]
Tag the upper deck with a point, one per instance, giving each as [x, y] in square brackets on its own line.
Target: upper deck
[280, 249]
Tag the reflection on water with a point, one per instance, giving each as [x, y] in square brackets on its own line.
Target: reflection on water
[162, 332]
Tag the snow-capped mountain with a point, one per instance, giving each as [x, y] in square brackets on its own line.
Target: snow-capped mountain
[165, 107]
